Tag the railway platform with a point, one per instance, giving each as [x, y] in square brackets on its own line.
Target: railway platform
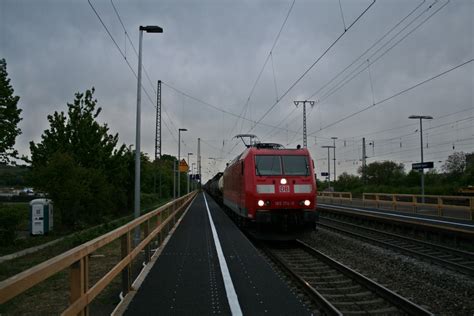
[209, 267]
[462, 227]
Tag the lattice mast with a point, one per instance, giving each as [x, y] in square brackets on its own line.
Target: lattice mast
[158, 122]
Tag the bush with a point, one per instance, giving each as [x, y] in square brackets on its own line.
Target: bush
[9, 221]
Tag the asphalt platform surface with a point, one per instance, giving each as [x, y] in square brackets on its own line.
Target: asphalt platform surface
[187, 280]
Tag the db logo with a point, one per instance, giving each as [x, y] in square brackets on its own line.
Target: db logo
[284, 189]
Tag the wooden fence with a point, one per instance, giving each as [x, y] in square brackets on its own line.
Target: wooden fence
[77, 259]
[336, 197]
[443, 205]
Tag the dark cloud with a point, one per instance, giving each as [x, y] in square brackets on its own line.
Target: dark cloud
[214, 51]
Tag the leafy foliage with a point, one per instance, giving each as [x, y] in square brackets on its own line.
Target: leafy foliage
[78, 164]
[9, 116]
[386, 172]
[9, 221]
[455, 164]
[390, 177]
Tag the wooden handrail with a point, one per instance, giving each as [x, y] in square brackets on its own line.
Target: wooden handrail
[77, 260]
[339, 195]
[439, 201]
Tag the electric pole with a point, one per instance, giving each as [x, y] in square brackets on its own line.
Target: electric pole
[199, 161]
[305, 143]
[158, 122]
[334, 158]
[329, 166]
[421, 118]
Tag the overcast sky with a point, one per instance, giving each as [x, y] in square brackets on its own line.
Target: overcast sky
[214, 51]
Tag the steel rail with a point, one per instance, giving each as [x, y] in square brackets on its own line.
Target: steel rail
[397, 300]
[430, 256]
[394, 301]
[324, 305]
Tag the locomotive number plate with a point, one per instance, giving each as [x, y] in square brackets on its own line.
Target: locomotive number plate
[284, 189]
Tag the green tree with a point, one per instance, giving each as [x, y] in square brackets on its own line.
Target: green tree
[77, 162]
[9, 116]
[347, 182]
[455, 164]
[468, 176]
[383, 173]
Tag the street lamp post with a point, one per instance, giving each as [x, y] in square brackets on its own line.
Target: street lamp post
[194, 173]
[329, 166]
[189, 154]
[179, 158]
[421, 118]
[148, 29]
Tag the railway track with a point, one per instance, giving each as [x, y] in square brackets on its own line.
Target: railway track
[450, 258]
[335, 288]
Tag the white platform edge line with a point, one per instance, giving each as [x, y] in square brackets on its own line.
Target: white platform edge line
[229, 285]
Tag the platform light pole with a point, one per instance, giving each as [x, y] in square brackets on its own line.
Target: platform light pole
[148, 29]
[329, 166]
[179, 158]
[194, 173]
[187, 173]
[421, 118]
[305, 142]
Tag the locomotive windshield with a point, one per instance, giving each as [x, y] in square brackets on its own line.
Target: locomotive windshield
[268, 165]
[295, 165]
[272, 165]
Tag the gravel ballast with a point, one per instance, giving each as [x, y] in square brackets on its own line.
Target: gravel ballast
[440, 291]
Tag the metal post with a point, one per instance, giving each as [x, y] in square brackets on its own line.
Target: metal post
[199, 162]
[305, 142]
[364, 154]
[136, 211]
[158, 122]
[421, 118]
[187, 173]
[329, 171]
[334, 158]
[179, 161]
[174, 180]
[329, 165]
[422, 169]
[194, 173]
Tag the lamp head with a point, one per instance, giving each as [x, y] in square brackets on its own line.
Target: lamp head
[151, 29]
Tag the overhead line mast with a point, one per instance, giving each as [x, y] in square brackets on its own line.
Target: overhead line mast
[305, 142]
[158, 122]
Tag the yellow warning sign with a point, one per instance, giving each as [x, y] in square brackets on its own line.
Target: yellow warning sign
[183, 166]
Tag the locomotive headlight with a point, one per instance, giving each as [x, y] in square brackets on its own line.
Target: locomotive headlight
[307, 202]
[261, 203]
[283, 181]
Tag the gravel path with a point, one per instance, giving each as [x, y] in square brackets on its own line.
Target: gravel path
[440, 291]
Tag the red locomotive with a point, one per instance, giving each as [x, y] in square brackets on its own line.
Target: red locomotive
[271, 186]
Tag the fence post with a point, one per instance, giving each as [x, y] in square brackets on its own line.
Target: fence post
[414, 201]
[159, 221]
[471, 203]
[79, 281]
[377, 206]
[146, 232]
[126, 246]
[440, 206]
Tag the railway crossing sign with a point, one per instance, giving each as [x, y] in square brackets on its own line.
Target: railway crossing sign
[183, 166]
[422, 165]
